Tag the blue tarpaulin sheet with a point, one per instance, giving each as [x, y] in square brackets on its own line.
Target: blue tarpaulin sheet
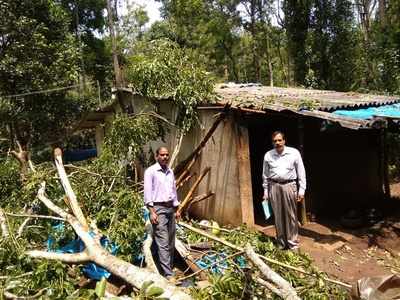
[76, 246]
[390, 110]
[78, 155]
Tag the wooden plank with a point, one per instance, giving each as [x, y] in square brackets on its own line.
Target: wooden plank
[245, 188]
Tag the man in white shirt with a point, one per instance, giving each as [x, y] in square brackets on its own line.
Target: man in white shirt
[162, 201]
[284, 182]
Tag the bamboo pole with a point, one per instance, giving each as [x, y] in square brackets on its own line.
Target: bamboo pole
[301, 149]
[188, 197]
[185, 171]
[203, 142]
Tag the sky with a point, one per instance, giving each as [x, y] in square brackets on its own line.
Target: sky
[152, 7]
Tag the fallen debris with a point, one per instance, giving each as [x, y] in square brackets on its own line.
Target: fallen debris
[94, 252]
[283, 288]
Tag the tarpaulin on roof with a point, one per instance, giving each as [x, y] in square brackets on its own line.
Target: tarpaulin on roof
[390, 110]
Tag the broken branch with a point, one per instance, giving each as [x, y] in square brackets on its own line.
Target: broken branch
[3, 224]
[96, 253]
[34, 216]
[9, 295]
[270, 260]
[70, 258]
[285, 287]
[271, 287]
[76, 209]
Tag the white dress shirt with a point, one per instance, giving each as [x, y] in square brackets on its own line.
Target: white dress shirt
[282, 167]
[159, 186]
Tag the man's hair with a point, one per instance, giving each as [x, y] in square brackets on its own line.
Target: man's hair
[159, 148]
[275, 133]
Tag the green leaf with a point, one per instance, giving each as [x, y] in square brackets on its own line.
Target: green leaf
[101, 287]
[145, 285]
[154, 291]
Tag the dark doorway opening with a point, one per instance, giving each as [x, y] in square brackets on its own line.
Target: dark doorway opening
[261, 127]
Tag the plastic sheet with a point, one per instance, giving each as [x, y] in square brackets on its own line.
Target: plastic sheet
[91, 270]
[217, 263]
[390, 110]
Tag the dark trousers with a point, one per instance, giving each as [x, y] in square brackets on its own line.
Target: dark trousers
[164, 239]
[283, 199]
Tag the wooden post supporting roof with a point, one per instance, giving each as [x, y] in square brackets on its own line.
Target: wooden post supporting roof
[245, 187]
[384, 162]
[301, 149]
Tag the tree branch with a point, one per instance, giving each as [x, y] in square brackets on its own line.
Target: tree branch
[9, 295]
[71, 258]
[288, 292]
[76, 209]
[3, 224]
[96, 253]
[35, 216]
[49, 204]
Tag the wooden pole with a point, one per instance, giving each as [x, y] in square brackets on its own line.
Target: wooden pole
[385, 165]
[300, 127]
[245, 188]
[189, 195]
[203, 142]
[185, 171]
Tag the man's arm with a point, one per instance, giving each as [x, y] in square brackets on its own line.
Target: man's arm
[265, 174]
[301, 175]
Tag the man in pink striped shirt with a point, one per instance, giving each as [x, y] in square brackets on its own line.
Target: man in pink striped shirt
[161, 199]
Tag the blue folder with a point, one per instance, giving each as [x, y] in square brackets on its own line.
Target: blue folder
[267, 209]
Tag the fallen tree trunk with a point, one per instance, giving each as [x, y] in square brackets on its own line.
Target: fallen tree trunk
[286, 291]
[76, 209]
[94, 252]
[148, 256]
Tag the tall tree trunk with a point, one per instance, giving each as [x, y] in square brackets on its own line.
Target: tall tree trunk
[111, 23]
[365, 9]
[382, 12]
[269, 59]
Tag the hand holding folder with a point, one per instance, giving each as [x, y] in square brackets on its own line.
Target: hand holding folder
[267, 209]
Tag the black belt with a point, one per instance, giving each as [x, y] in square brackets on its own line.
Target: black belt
[165, 204]
[283, 181]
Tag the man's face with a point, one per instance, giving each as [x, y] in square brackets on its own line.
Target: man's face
[163, 157]
[279, 142]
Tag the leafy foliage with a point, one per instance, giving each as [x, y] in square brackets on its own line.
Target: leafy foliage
[38, 53]
[128, 134]
[161, 69]
[238, 282]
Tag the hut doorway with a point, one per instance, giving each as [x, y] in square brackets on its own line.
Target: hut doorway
[260, 128]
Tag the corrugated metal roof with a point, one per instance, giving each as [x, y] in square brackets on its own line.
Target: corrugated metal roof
[261, 97]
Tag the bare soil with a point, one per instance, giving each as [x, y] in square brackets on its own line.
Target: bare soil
[351, 254]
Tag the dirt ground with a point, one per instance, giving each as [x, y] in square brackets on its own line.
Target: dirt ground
[351, 254]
